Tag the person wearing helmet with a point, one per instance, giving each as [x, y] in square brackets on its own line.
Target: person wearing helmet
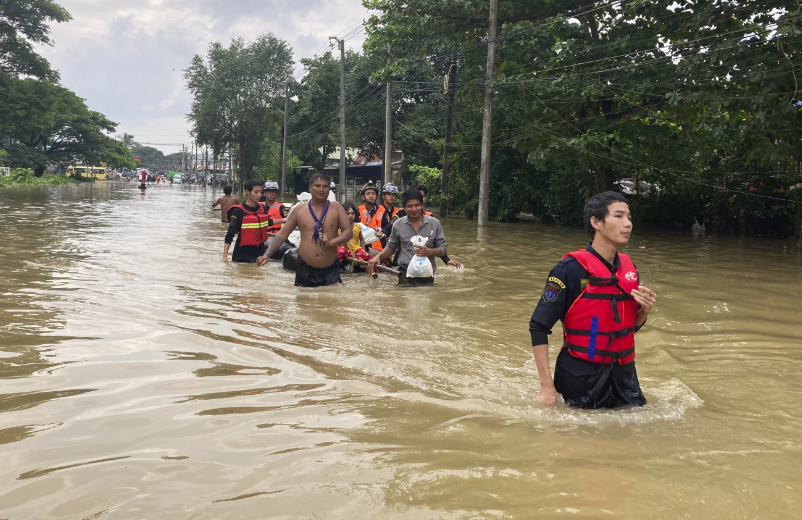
[387, 213]
[369, 208]
[276, 211]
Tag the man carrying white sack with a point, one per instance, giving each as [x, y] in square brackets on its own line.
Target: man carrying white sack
[415, 223]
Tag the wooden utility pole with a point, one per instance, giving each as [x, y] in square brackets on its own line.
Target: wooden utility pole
[342, 189]
[388, 129]
[487, 122]
[451, 93]
[284, 143]
[205, 166]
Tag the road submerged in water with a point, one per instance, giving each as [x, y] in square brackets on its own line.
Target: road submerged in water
[143, 378]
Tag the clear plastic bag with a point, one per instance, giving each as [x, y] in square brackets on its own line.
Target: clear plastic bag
[419, 266]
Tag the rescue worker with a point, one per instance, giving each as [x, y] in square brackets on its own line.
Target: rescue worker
[368, 207]
[250, 222]
[386, 215]
[276, 211]
[425, 192]
[597, 295]
[278, 214]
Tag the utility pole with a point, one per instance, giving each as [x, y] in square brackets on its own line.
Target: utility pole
[342, 190]
[205, 166]
[183, 159]
[451, 93]
[388, 128]
[284, 143]
[487, 122]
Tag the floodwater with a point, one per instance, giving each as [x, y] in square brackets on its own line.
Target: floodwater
[143, 379]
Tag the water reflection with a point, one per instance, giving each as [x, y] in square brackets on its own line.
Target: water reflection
[121, 331]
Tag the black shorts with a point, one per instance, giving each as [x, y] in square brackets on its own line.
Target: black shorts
[248, 254]
[404, 280]
[308, 276]
[584, 384]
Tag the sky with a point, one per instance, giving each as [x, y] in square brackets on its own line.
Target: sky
[126, 57]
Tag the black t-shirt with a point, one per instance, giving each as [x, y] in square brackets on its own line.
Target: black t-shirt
[563, 286]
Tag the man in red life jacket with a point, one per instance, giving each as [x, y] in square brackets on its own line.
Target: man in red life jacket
[250, 222]
[597, 295]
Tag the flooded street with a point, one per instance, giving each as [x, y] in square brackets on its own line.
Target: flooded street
[142, 378]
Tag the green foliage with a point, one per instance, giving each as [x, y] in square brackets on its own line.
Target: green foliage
[699, 99]
[239, 96]
[23, 25]
[429, 177]
[26, 177]
[44, 123]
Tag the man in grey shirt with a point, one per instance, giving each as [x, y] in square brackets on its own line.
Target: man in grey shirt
[414, 223]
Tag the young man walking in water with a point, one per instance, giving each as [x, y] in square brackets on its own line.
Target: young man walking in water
[597, 295]
[414, 223]
[249, 221]
[226, 202]
[318, 222]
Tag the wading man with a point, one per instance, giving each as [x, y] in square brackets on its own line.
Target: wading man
[414, 223]
[226, 202]
[596, 294]
[249, 221]
[318, 222]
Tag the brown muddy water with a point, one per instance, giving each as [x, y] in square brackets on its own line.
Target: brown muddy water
[143, 379]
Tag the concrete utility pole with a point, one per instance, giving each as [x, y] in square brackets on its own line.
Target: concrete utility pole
[487, 122]
[451, 93]
[342, 190]
[388, 129]
[284, 143]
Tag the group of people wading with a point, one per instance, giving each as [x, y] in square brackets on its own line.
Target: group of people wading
[595, 292]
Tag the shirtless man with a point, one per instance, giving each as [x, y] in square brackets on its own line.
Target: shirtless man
[225, 202]
[319, 222]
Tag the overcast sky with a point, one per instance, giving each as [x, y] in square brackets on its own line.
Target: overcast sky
[125, 57]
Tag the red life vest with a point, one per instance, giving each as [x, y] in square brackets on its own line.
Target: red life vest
[376, 223]
[274, 212]
[253, 230]
[600, 325]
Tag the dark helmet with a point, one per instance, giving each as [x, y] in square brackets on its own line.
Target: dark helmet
[370, 185]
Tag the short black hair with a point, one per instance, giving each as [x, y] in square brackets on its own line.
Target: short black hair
[319, 175]
[227, 190]
[251, 184]
[597, 207]
[411, 194]
[423, 188]
[350, 205]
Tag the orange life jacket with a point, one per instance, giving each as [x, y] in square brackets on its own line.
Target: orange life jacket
[376, 223]
[274, 212]
[427, 213]
[364, 214]
[253, 230]
[600, 325]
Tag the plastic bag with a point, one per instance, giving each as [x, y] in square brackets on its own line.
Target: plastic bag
[369, 234]
[295, 238]
[419, 266]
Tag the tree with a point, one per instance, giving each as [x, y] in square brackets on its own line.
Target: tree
[24, 24]
[238, 92]
[46, 123]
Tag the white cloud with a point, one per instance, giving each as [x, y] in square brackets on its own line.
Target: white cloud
[126, 57]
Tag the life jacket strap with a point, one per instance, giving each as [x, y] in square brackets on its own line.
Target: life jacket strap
[602, 281]
[613, 334]
[613, 354]
[614, 299]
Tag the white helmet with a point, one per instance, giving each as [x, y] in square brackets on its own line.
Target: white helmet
[271, 185]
